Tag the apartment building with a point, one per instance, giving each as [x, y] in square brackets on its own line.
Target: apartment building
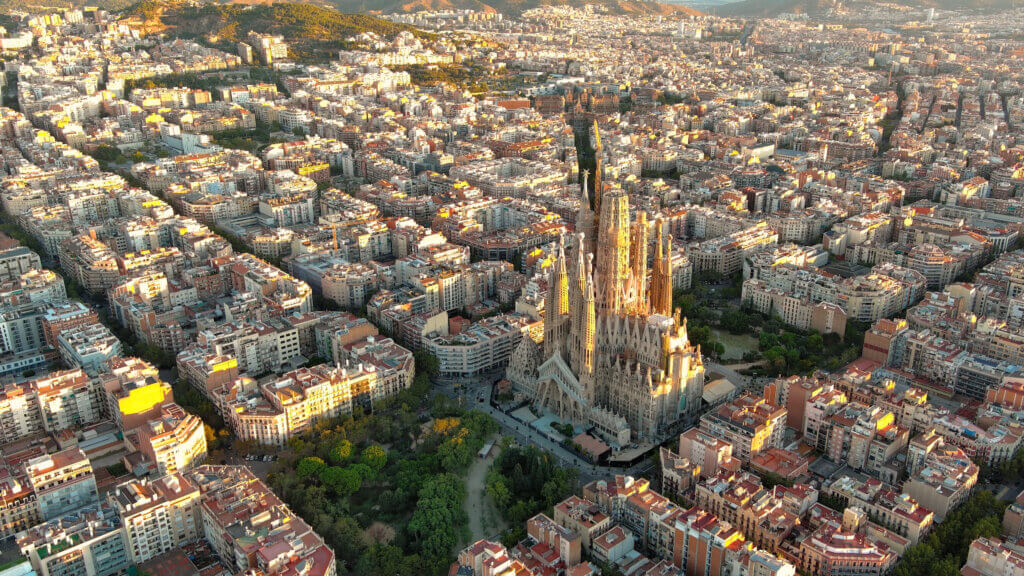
[1013, 518]
[89, 542]
[678, 474]
[857, 230]
[89, 262]
[268, 537]
[795, 293]
[750, 424]
[900, 513]
[883, 342]
[20, 412]
[61, 316]
[342, 329]
[33, 286]
[19, 508]
[257, 348]
[726, 254]
[350, 285]
[394, 364]
[479, 347]
[157, 515]
[647, 514]
[88, 347]
[841, 546]
[174, 440]
[63, 482]
[557, 536]
[707, 452]
[21, 331]
[612, 546]
[69, 399]
[865, 438]
[17, 260]
[703, 544]
[291, 404]
[882, 293]
[989, 445]
[289, 209]
[991, 557]
[584, 519]
[134, 391]
[484, 558]
[766, 517]
[821, 317]
[946, 479]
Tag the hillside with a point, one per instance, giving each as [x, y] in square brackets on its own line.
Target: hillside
[308, 28]
[510, 7]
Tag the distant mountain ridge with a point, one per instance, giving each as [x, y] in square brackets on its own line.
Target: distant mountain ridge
[509, 7]
[769, 8]
[379, 7]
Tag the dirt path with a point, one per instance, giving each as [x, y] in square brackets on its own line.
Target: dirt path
[484, 520]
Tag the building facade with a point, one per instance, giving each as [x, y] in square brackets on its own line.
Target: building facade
[613, 356]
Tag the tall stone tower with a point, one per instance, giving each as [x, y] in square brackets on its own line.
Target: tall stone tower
[615, 358]
[581, 277]
[585, 338]
[638, 241]
[613, 253]
[556, 306]
[661, 275]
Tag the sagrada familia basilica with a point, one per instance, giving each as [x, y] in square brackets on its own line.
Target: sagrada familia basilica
[614, 358]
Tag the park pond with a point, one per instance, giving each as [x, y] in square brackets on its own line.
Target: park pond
[736, 345]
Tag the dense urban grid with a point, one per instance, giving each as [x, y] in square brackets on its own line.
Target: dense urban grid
[564, 291]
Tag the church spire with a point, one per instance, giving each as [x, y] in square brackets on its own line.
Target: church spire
[586, 182]
[556, 305]
[561, 284]
[661, 278]
[638, 265]
[598, 175]
[579, 281]
[585, 219]
[586, 338]
[613, 253]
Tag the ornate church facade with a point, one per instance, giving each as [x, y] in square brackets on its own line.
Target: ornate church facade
[614, 358]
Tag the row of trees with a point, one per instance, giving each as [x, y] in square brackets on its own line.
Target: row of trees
[700, 305]
[344, 477]
[1006, 472]
[945, 550]
[468, 76]
[10, 227]
[525, 481]
[217, 435]
[787, 350]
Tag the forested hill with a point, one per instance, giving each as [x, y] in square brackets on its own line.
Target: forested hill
[509, 7]
[297, 22]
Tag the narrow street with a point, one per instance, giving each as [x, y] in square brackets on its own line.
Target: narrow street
[527, 436]
[730, 372]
